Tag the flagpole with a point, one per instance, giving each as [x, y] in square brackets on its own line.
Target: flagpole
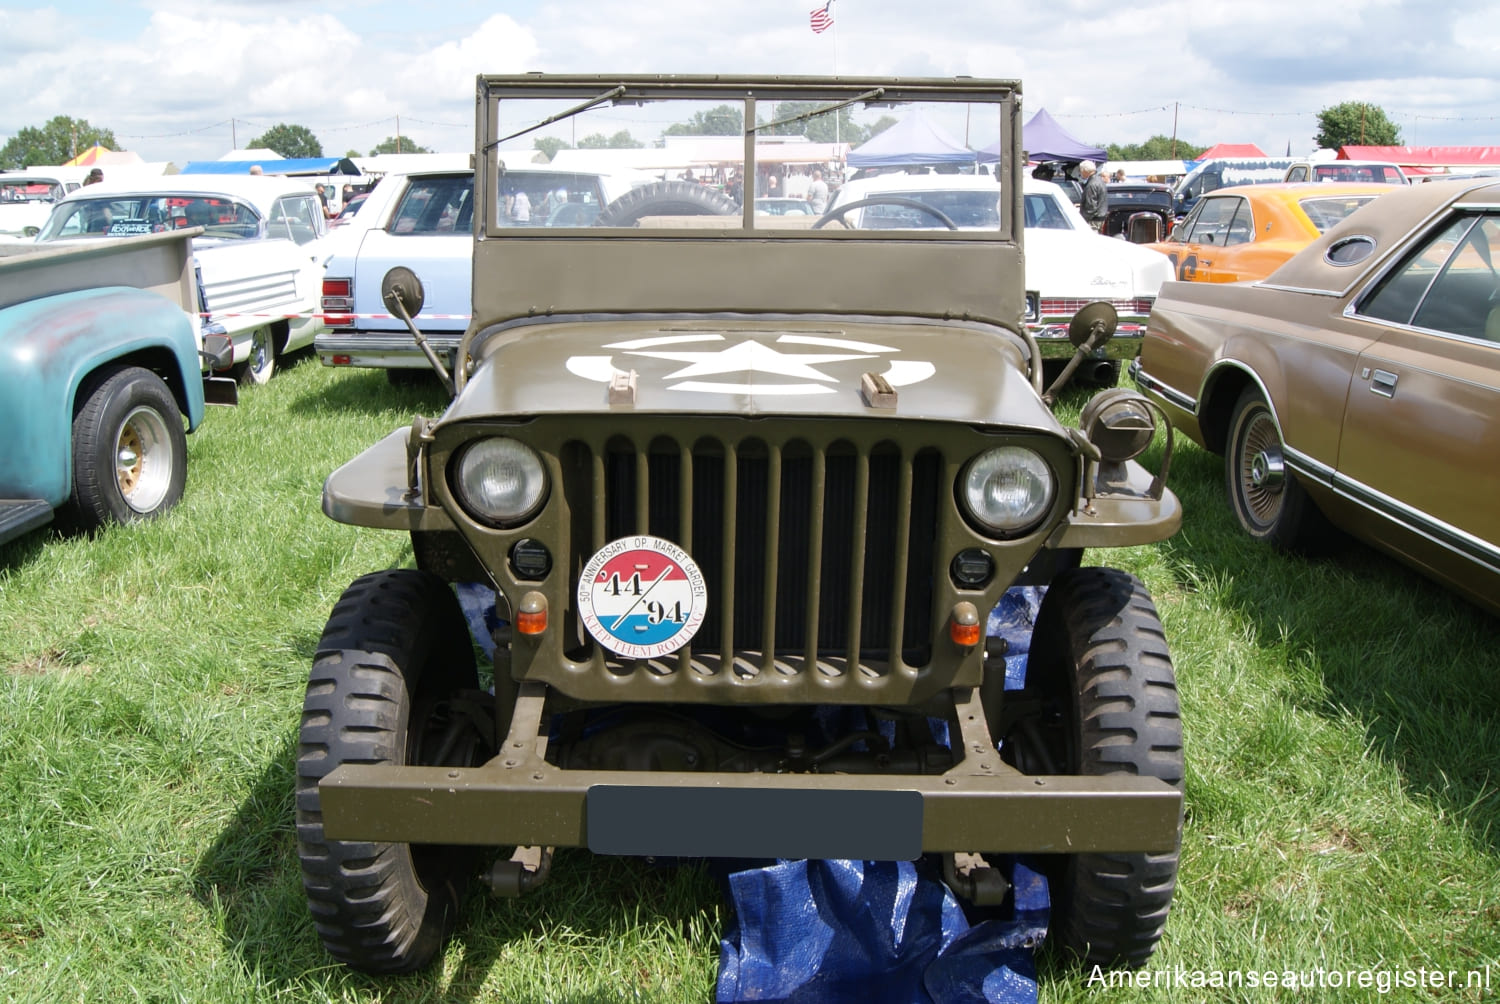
[838, 113]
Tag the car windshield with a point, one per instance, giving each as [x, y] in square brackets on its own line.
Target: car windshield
[1325, 211]
[24, 189]
[698, 149]
[444, 204]
[126, 215]
[1385, 174]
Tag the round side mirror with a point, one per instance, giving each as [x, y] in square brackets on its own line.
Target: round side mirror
[401, 288]
[1092, 316]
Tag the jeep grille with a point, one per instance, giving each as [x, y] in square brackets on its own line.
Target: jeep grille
[813, 555]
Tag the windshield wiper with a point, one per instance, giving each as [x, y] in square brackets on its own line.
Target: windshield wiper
[608, 95]
[867, 96]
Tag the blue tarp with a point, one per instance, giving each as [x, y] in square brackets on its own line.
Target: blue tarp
[805, 932]
[916, 139]
[290, 165]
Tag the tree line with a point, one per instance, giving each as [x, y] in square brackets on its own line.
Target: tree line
[62, 138]
[1352, 123]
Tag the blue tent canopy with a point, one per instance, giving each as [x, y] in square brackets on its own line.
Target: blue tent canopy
[916, 139]
[287, 166]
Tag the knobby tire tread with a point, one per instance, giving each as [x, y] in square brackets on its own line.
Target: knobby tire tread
[390, 634]
[1110, 908]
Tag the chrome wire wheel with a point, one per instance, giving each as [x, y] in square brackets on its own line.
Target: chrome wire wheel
[259, 366]
[1261, 468]
[143, 459]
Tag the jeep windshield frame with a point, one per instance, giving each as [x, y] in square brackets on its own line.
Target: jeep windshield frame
[981, 115]
[723, 256]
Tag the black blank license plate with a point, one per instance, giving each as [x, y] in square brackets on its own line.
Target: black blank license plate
[640, 820]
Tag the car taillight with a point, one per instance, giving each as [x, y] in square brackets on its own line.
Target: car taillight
[338, 303]
[1067, 306]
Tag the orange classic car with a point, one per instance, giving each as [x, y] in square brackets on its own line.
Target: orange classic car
[1358, 384]
[1246, 232]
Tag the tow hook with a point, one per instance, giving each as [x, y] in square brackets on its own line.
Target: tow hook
[971, 877]
[527, 869]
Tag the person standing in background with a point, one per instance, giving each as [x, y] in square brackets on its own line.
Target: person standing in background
[817, 192]
[1094, 204]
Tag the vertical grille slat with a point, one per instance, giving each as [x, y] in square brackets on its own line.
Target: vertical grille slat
[815, 553]
[684, 537]
[726, 587]
[600, 527]
[772, 551]
[643, 510]
[900, 554]
[817, 556]
[857, 542]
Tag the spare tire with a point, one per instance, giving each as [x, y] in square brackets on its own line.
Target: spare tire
[665, 198]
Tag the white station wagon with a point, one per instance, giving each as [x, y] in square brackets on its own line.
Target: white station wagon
[258, 258]
[1068, 265]
[421, 218]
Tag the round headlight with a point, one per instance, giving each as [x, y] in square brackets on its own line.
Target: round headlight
[1008, 490]
[501, 481]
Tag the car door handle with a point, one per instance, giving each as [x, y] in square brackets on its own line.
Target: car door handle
[1383, 383]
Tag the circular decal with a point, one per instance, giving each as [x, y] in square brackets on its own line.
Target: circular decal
[642, 597]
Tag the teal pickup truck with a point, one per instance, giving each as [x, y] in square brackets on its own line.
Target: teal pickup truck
[101, 359]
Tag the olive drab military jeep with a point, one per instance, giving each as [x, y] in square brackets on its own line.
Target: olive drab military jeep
[731, 476]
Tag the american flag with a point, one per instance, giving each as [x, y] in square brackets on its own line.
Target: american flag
[821, 18]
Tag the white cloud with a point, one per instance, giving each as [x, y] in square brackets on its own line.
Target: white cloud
[167, 79]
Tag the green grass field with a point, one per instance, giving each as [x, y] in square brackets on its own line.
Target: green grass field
[1342, 721]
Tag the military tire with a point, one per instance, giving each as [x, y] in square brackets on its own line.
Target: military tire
[665, 198]
[129, 450]
[393, 669]
[1269, 502]
[1101, 674]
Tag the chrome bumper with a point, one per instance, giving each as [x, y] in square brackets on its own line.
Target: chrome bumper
[382, 350]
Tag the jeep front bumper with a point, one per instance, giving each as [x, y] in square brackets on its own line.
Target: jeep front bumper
[981, 804]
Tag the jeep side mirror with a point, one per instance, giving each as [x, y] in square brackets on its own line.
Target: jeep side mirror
[401, 292]
[1090, 330]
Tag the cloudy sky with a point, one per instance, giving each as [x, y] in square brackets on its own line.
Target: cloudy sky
[185, 80]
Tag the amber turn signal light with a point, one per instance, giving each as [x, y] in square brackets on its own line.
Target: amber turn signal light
[531, 614]
[964, 625]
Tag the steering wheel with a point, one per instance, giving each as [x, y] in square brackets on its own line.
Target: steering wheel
[883, 200]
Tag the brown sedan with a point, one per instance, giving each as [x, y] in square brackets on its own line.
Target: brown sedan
[1359, 384]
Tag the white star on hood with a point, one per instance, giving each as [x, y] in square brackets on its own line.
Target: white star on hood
[751, 357]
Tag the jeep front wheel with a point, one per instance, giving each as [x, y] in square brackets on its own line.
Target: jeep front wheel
[1102, 697]
[393, 682]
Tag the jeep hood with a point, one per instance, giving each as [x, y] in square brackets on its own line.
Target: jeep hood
[755, 366]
